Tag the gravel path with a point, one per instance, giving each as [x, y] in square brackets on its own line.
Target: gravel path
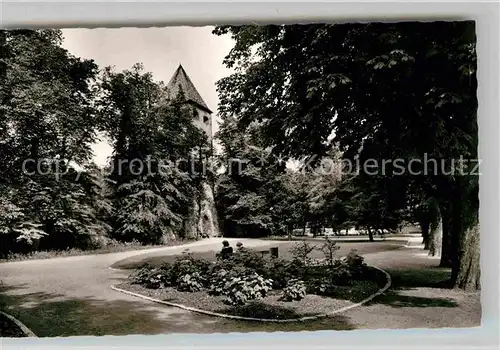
[77, 291]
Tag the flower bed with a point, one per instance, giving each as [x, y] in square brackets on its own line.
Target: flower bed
[250, 285]
[269, 307]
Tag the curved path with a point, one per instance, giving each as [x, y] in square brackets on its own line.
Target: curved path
[72, 296]
[77, 290]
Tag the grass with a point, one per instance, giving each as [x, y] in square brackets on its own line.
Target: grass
[407, 280]
[263, 310]
[9, 329]
[307, 238]
[429, 277]
[112, 248]
[284, 253]
[356, 238]
[337, 323]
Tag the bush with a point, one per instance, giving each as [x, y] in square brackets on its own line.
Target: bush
[339, 274]
[324, 286]
[240, 287]
[301, 251]
[148, 277]
[323, 280]
[220, 277]
[317, 262]
[218, 281]
[249, 258]
[174, 275]
[329, 249]
[355, 263]
[187, 264]
[295, 290]
[190, 283]
[281, 271]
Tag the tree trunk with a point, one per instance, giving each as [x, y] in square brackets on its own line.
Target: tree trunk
[461, 248]
[456, 232]
[436, 237]
[464, 243]
[370, 235]
[424, 226]
[446, 241]
[468, 277]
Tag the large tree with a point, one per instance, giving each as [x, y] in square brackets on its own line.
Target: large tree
[244, 191]
[154, 142]
[405, 89]
[47, 124]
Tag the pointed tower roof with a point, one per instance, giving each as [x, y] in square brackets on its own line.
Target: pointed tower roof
[180, 80]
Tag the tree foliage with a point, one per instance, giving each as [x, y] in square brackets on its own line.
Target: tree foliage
[53, 107]
[242, 193]
[154, 141]
[386, 91]
[46, 120]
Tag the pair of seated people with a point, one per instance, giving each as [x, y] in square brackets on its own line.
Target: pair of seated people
[227, 250]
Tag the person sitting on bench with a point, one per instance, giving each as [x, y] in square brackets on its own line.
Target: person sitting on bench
[239, 247]
[226, 250]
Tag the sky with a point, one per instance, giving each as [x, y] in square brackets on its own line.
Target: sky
[160, 50]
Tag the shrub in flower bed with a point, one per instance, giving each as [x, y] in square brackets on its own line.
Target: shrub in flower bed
[281, 271]
[295, 290]
[356, 264]
[185, 274]
[320, 286]
[247, 276]
[186, 264]
[221, 277]
[240, 290]
[190, 283]
[249, 258]
[148, 277]
[317, 262]
[239, 285]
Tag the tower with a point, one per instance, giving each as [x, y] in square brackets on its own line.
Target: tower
[202, 220]
[180, 80]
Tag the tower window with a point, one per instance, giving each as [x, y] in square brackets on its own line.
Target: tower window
[205, 119]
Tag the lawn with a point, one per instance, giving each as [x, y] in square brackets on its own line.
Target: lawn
[270, 307]
[112, 248]
[299, 284]
[9, 329]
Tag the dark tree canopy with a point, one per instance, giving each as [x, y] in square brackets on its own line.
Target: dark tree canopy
[53, 107]
[386, 91]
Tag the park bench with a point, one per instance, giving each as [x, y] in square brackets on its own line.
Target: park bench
[273, 251]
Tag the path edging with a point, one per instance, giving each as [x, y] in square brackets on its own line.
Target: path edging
[28, 332]
[241, 318]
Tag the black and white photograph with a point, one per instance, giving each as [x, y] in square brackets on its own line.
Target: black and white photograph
[239, 178]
